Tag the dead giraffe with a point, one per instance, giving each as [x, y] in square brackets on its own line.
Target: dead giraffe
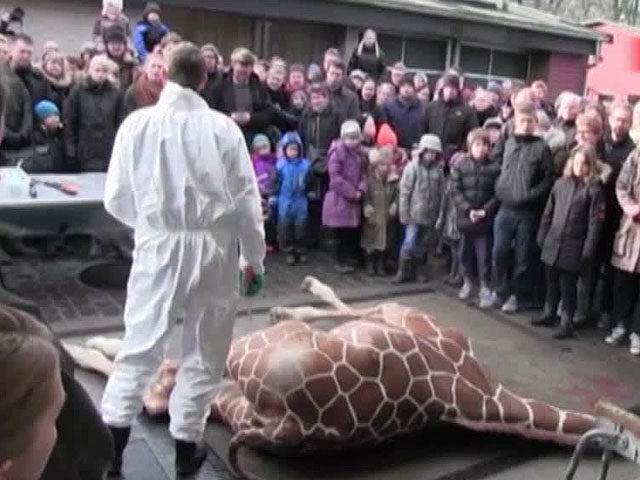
[388, 371]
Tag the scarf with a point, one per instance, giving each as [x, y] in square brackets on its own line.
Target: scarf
[147, 92]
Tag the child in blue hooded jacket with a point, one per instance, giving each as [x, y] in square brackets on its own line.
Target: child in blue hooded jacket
[290, 192]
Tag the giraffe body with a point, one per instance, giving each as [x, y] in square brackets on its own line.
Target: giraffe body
[297, 389]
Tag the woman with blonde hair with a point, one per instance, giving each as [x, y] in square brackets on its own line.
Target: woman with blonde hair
[57, 72]
[368, 56]
[569, 234]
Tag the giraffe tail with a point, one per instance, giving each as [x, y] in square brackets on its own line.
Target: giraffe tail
[509, 413]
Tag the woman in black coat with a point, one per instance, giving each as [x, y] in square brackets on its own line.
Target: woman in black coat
[569, 234]
[92, 114]
[368, 56]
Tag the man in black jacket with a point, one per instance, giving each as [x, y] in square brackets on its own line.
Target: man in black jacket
[450, 118]
[214, 76]
[524, 183]
[21, 55]
[18, 121]
[343, 100]
[241, 95]
[618, 146]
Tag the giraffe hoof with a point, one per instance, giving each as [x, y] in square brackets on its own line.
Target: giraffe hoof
[276, 315]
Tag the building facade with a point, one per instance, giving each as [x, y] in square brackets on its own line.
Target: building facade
[488, 39]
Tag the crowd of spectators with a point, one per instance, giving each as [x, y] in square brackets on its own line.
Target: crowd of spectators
[537, 202]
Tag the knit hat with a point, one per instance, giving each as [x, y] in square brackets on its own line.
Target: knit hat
[115, 33]
[260, 140]
[350, 128]
[451, 80]
[429, 142]
[386, 136]
[45, 109]
[493, 122]
[150, 7]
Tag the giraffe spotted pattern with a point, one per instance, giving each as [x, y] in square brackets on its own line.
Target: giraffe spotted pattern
[390, 372]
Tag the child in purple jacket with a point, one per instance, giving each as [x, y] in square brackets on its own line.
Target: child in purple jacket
[264, 166]
[342, 208]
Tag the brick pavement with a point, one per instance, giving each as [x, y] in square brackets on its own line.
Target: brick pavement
[72, 307]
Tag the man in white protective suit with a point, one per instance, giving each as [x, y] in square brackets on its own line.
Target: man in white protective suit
[181, 177]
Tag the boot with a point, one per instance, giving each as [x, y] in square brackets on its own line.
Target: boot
[547, 319]
[565, 330]
[380, 262]
[405, 271]
[190, 457]
[371, 264]
[120, 439]
[423, 270]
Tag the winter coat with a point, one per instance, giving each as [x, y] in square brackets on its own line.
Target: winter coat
[421, 191]
[342, 207]
[290, 185]
[92, 115]
[346, 103]
[145, 36]
[615, 156]
[224, 100]
[382, 197]
[318, 131]
[526, 175]
[571, 224]
[406, 120]
[473, 188]
[127, 70]
[626, 244]
[48, 152]
[447, 223]
[452, 122]
[486, 114]
[59, 88]
[373, 109]
[368, 62]
[18, 119]
[264, 167]
[36, 84]
[209, 89]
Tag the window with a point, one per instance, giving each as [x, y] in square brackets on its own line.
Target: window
[487, 64]
[428, 55]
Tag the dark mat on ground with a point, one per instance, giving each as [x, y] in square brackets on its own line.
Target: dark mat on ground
[141, 464]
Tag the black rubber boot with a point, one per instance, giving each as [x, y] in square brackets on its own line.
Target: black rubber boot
[405, 272]
[371, 264]
[120, 439]
[565, 330]
[547, 319]
[190, 457]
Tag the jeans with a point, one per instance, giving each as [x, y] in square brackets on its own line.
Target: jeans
[513, 231]
[561, 285]
[475, 256]
[415, 244]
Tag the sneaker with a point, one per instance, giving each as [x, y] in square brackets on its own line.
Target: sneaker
[494, 300]
[511, 305]
[466, 290]
[486, 298]
[635, 344]
[617, 336]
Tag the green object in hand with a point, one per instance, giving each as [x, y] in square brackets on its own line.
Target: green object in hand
[256, 285]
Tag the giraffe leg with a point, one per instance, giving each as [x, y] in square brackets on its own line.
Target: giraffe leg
[90, 359]
[324, 292]
[310, 314]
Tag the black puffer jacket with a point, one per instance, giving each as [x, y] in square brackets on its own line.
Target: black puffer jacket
[318, 130]
[527, 173]
[368, 62]
[452, 122]
[18, 120]
[571, 223]
[92, 115]
[473, 188]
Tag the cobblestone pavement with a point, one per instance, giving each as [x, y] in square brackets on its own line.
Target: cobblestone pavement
[72, 307]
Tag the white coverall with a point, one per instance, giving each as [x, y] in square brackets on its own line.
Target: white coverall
[181, 177]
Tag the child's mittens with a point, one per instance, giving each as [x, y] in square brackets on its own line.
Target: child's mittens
[368, 211]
